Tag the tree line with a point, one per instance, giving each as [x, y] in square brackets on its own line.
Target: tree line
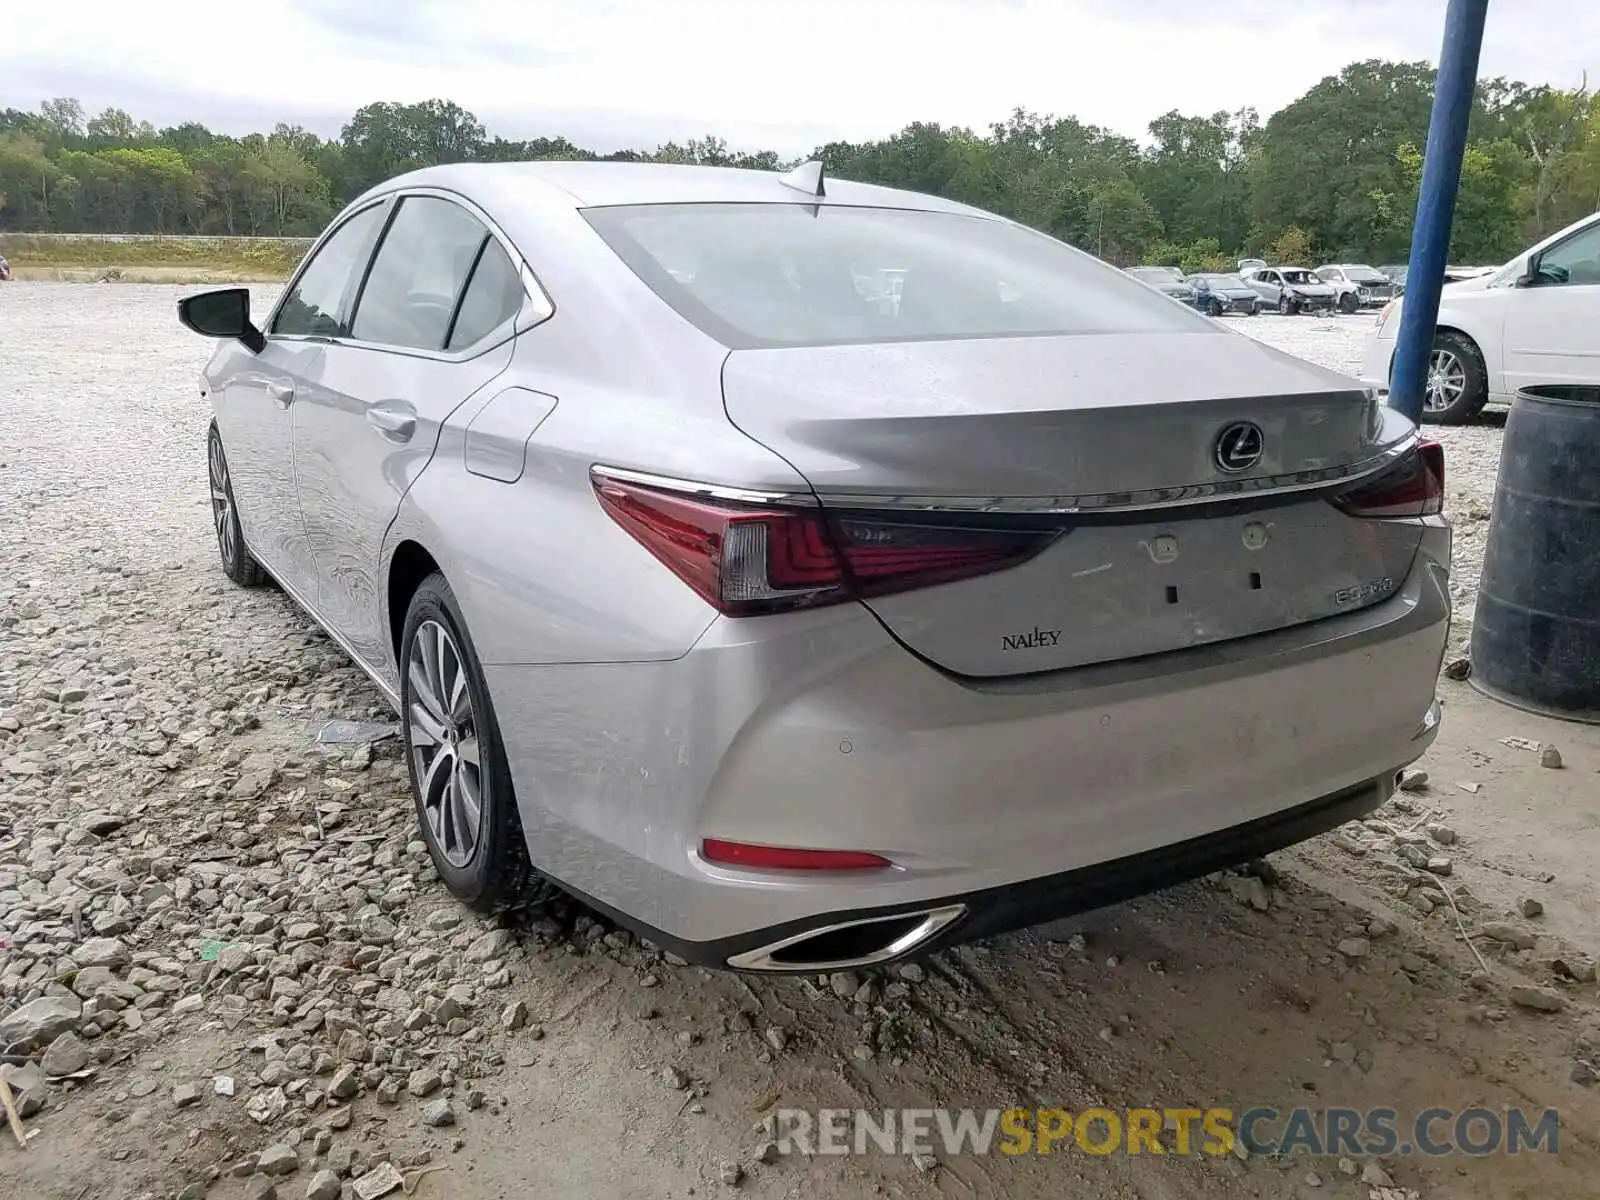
[1333, 176]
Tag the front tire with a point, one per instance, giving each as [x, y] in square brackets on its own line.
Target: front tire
[1457, 384]
[1286, 306]
[238, 564]
[1215, 308]
[1349, 303]
[460, 780]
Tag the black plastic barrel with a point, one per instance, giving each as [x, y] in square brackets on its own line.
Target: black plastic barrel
[1536, 636]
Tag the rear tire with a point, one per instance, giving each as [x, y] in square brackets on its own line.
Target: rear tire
[238, 564]
[1457, 384]
[460, 780]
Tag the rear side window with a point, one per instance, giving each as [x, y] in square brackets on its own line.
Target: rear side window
[493, 296]
[755, 275]
[314, 306]
[422, 264]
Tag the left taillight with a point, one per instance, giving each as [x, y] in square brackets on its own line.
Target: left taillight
[753, 559]
[1414, 487]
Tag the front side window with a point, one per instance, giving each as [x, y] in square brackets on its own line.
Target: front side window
[769, 275]
[1575, 261]
[422, 264]
[314, 306]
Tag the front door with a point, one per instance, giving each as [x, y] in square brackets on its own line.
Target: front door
[1552, 329]
[430, 326]
[257, 394]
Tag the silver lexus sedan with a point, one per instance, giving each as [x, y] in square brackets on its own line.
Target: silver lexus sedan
[809, 574]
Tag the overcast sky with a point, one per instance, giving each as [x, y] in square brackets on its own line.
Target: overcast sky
[780, 74]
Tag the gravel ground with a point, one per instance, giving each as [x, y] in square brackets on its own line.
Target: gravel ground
[227, 968]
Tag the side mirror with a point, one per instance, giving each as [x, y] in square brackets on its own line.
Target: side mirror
[224, 313]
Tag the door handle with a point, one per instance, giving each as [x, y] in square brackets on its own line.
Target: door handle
[281, 393]
[393, 419]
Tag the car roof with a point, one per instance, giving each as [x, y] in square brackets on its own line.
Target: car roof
[566, 184]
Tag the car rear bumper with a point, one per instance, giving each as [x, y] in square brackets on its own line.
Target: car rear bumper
[1021, 905]
[1011, 800]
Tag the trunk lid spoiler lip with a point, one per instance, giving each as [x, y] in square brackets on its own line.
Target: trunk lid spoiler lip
[1106, 502]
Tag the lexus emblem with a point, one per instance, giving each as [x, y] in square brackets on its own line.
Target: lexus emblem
[1239, 446]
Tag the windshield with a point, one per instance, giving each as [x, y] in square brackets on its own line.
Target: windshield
[1226, 281]
[767, 275]
[1364, 275]
[1298, 275]
[1153, 274]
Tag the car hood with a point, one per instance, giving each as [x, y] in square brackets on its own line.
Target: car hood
[1478, 283]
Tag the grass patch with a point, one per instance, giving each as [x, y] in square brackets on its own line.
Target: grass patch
[130, 257]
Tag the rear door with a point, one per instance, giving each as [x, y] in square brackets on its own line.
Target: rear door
[432, 324]
[1552, 327]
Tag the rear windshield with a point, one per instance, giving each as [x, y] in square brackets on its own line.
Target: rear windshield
[766, 275]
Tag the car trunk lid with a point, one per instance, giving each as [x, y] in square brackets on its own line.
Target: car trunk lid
[1115, 442]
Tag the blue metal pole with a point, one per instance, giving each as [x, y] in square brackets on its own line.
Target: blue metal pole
[1436, 199]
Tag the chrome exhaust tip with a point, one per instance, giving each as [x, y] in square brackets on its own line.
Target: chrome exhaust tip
[846, 944]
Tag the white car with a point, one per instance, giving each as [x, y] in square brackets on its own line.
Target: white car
[1534, 320]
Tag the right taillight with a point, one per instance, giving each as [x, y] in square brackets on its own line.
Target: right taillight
[751, 559]
[1414, 487]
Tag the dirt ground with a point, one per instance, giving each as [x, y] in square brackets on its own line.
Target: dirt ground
[212, 894]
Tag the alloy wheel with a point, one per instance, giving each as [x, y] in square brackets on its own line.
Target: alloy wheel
[1447, 380]
[222, 505]
[442, 734]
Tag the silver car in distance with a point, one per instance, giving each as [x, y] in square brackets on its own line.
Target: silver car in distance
[810, 574]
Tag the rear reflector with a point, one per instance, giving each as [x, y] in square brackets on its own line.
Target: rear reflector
[1414, 487]
[750, 559]
[781, 858]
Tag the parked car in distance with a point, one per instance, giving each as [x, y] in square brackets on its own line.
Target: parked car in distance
[1168, 280]
[1251, 264]
[1219, 294]
[670, 546]
[1360, 286]
[1534, 320]
[1396, 273]
[1291, 290]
